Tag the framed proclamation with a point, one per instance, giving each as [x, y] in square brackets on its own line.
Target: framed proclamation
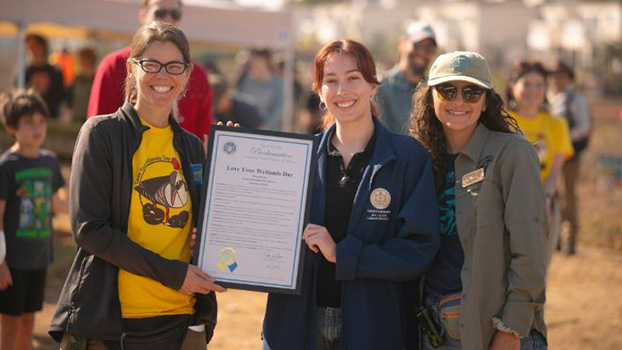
[255, 197]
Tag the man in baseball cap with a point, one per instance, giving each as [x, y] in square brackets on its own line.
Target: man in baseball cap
[417, 48]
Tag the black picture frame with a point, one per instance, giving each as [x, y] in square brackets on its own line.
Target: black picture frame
[201, 235]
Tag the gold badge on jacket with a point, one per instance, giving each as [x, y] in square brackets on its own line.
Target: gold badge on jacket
[380, 198]
[473, 177]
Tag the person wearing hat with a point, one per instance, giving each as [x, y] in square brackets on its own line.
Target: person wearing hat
[417, 48]
[485, 288]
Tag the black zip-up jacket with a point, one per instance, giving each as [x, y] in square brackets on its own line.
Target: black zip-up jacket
[100, 192]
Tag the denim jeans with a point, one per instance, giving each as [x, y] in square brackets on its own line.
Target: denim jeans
[327, 329]
[534, 341]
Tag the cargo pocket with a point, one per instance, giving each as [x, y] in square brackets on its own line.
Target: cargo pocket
[449, 312]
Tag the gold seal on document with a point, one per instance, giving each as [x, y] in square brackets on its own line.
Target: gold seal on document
[380, 198]
[227, 256]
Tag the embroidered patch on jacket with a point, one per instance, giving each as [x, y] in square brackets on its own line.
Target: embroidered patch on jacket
[485, 162]
[380, 198]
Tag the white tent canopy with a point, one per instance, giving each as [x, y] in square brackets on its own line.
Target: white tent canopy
[204, 20]
[210, 21]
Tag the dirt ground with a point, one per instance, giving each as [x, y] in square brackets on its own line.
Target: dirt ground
[584, 304]
[584, 308]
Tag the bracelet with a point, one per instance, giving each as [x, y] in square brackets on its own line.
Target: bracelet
[500, 326]
[2, 247]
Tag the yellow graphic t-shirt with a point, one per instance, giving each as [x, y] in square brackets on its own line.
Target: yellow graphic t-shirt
[160, 220]
[549, 135]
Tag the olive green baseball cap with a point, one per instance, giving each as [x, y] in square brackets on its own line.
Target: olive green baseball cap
[460, 66]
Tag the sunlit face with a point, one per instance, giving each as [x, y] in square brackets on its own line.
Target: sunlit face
[529, 90]
[458, 115]
[419, 54]
[344, 90]
[159, 89]
[161, 10]
[30, 131]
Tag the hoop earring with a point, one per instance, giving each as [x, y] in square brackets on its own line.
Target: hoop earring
[323, 108]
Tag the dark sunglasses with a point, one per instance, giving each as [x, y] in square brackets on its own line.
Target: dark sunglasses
[161, 14]
[425, 46]
[153, 66]
[470, 94]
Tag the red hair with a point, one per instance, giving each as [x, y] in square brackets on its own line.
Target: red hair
[361, 55]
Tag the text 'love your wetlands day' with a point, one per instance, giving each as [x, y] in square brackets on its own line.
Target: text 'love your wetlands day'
[259, 171]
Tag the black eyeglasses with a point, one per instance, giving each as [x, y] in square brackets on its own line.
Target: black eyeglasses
[153, 66]
[470, 94]
[161, 14]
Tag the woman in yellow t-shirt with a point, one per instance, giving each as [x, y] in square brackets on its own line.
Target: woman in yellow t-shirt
[526, 97]
[135, 199]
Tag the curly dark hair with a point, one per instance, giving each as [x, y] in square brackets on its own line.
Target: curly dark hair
[425, 126]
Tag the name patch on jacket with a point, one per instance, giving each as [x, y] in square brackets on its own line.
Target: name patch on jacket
[378, 215]
[473, 177]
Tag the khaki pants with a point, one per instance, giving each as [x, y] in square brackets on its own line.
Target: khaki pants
[192, 341]
[569, 198]
[555, 225]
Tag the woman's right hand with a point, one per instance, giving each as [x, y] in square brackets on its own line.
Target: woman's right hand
[198, 281]
[5, 276]
[319, 239]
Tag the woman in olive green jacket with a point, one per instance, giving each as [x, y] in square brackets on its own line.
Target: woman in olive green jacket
[485, 289]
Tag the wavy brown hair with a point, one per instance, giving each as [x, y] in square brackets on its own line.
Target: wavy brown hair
[361, 55]
[425, 126]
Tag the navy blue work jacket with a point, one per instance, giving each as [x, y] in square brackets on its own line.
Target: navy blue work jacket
[384, 249]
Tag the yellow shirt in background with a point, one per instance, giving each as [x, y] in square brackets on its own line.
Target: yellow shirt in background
[549, 135]
[160, 220]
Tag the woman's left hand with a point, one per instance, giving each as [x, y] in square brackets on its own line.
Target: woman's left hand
[206, 136]
[505, 341]
[229, 123]
[318, 239]
[193, 241]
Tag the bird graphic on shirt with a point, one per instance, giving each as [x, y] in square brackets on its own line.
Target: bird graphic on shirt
[168, 191]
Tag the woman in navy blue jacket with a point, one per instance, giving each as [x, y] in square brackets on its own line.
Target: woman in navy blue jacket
[374, 228]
